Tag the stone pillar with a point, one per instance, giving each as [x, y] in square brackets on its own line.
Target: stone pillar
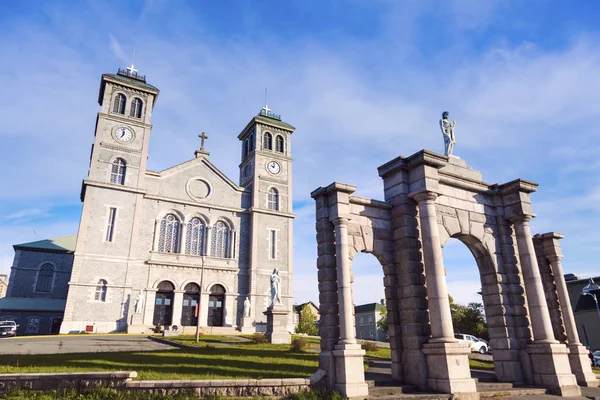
[347, 335]
[549, 358]
[447, 359]
[277, 317]
[203, 308]
[149, 307]
[538, 309]
[177, 308]
[350, 374]
[578, 354]
[437, 290]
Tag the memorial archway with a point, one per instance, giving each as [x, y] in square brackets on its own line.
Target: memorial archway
[428, 199]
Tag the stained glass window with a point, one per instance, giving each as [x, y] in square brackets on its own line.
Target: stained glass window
[246, 148]
[194, 241]
[136, 108]
[252, 141]
[279, 144]
[45, 277]
[267, 141]
[119, 104]
[101, 291]
[117, 173]
[273, 201]
[220, 240]
[168, 236]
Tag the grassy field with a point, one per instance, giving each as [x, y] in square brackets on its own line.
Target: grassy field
[232, 361]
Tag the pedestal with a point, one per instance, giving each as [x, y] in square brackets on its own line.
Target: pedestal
[448, 369]
[137, 324]
[350, 370]
[551, 368]
[581, 366]
[247, 325]
[277, 318]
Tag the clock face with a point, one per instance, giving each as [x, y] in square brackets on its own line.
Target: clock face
[124, 134]
[273, 167]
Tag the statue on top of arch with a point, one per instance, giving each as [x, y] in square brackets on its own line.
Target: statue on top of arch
[447, 128]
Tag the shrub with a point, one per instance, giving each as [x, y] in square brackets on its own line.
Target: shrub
[367, 345]
[299, 343]
[259, 338]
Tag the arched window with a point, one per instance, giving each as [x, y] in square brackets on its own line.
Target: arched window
[267, 141]
[220, 240]
[192, 288]
[101, 291]
[279, 144]
[136, 108]
[119, 104]
[251, 141]
[273, 201]
[117, 172]
[165, 286]
[246, 148]
[194, 241]
[45, 277]
[168, 239]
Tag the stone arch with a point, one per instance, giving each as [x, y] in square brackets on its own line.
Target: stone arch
[430, 198]
[172, 281]
[183, 285]
[211, 284]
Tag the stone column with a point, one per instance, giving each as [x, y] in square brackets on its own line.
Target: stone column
[437, 290]
[578, 354]
[447, 359]
[536, 301]
[149, 307]
[549, 358]
[177, 308]
[344, 278]
[203, 312]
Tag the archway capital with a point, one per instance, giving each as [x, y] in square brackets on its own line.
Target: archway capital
[424, 195]
[340, 221]
[521, 218]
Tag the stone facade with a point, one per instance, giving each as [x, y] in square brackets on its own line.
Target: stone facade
[38, 285]
[430, 198]
[138, 259]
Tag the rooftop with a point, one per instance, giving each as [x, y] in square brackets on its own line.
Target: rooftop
[371, 307]
[61, 244]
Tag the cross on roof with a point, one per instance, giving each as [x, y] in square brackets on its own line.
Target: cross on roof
[203, 137]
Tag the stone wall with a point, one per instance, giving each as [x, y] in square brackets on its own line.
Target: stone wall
[123, 381]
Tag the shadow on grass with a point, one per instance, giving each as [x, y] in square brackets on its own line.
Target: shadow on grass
[241, 362]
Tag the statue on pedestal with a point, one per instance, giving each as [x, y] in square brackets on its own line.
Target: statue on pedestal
[247, 307]
[447, 128]
[139, 302]
[275, 288]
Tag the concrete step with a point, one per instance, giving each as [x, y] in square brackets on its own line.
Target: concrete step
[486, 386]
[432, 396]
[378, 391]
[512, 392]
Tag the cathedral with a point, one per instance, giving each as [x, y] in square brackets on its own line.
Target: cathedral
[174, 246]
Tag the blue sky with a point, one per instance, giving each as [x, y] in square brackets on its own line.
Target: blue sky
[363, 82]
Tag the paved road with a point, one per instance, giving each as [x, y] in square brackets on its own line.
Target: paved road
[79, 344]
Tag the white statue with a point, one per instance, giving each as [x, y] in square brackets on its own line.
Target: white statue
[275, 288]
[247, 307]
[139, 303]
[447, 128]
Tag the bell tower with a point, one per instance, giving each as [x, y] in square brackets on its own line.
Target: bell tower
[120, 149]
[266, 173]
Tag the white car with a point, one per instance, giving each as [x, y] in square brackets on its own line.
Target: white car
[8, 328]
[475, 344]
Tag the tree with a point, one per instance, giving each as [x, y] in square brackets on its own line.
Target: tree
[469, 319]
[307, 323]
[382, 323]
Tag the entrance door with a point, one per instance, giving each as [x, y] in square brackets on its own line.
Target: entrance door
[163, 306]
[216, 305]
[55, 328]
[190, 299]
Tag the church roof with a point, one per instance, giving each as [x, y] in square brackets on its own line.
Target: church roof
[61, 244]
[131, 81]
[273, 121]
[31, 304]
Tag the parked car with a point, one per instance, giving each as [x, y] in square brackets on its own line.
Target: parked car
[597, 357]
[8, 328]
[487, 344]
[475, 344]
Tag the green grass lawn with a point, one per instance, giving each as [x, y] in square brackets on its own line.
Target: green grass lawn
[235, 361]
[478, 364]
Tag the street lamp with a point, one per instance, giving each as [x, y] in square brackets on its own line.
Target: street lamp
[200, 299]
[589, 290]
